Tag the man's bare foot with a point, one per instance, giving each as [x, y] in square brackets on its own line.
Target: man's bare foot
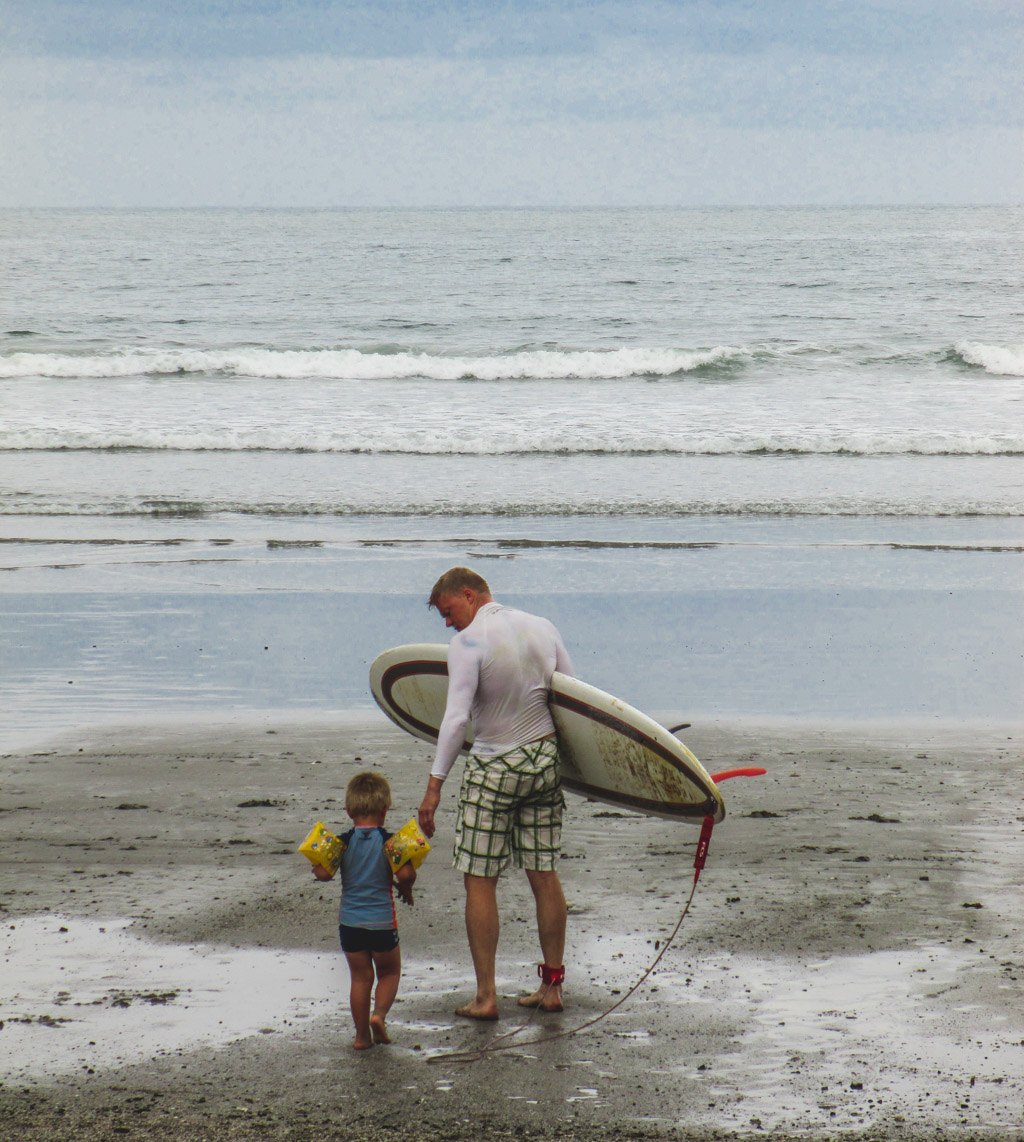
[473, 1010]
[546, 998]
[378, 1030]
[361, 1044]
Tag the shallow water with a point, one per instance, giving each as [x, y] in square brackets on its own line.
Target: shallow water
[817, 618]
[83, 995]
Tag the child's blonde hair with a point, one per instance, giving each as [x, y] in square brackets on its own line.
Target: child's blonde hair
[368, 795]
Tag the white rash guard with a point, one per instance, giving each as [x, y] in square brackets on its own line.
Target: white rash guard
[499, 669]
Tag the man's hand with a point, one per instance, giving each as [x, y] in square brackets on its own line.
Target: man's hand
[429, 804]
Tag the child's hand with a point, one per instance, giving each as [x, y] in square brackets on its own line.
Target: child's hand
[404, 879]
[322, 873]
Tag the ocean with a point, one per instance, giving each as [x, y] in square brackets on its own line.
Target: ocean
[755, 463]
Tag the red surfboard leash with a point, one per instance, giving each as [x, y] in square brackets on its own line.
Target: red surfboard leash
[704, 843]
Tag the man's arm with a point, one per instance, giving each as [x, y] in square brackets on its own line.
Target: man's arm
[563, 663]
[429, 804]
[463, 679]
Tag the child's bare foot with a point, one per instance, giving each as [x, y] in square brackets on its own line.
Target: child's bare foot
[475, 1010]
[361, 1044]
[546, 998]
[378, 1030]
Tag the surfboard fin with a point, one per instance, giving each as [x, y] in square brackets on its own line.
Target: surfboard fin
[748, 771]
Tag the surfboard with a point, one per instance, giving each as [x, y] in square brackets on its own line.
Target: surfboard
[608, 750]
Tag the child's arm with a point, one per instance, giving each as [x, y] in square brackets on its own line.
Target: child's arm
[405, 878]
[322, 873]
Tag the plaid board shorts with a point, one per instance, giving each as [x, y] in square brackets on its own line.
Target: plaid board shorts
[510, 807]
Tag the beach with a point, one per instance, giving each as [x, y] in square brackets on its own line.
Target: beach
[850, 965]
[763, 468]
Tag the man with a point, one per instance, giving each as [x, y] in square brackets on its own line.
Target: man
[500, 663]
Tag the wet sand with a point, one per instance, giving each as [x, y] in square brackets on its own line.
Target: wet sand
[851, 965]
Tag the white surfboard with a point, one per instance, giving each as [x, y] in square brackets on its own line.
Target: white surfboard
[609, 751]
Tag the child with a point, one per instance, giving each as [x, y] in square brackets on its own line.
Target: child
[368, 924]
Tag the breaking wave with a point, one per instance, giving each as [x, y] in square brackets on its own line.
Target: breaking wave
[355, 364]
[1000, 360]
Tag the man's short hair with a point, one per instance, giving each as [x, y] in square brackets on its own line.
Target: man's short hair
[454, 580]
[368, 795]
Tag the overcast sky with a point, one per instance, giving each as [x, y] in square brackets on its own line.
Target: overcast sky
[524, 102]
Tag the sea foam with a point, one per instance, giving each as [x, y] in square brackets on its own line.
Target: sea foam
[1001, 360]
[354, 364]
[568, 437]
